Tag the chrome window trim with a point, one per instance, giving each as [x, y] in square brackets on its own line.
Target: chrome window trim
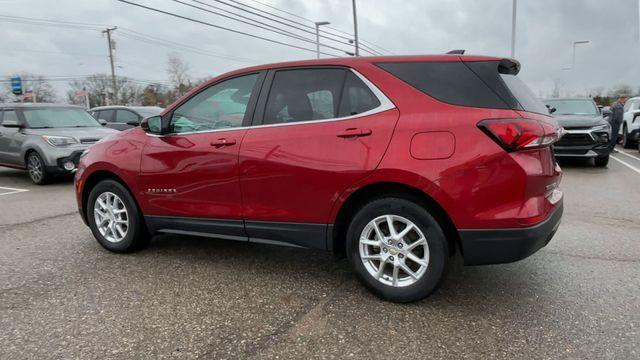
[385, 105]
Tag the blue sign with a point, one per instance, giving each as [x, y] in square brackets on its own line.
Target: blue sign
[16, 85]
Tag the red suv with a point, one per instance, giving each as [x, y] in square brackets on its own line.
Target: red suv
[397, 162]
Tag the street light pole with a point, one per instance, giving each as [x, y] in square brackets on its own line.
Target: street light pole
[513, 29]
[318, 24]
[573, 56]
[355, 28]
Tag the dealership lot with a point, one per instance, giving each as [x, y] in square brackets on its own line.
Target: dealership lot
[63, 296]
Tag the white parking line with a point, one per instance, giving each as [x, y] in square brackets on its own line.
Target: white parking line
[9, 191]
[626, 153]
[626, 164]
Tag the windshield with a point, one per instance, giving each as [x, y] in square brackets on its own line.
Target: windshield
[573, 107]
[41, 118]
[149, 111]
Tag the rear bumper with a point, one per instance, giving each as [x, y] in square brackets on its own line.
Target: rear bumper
[498, 246]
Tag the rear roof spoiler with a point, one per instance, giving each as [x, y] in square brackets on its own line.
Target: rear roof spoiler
[456, 52]
[509, 66]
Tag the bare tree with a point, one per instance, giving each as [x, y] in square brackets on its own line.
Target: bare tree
[40, 87]
[178, 72]
[98, 88]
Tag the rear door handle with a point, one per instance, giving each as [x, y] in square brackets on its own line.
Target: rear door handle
[354, 132]
[223, 142]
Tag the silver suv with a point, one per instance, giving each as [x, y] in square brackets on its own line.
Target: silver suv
[46, 139]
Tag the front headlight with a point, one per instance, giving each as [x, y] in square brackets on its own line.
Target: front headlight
[606, 127]
[59, 140]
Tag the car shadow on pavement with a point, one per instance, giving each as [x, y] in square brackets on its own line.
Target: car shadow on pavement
[19, 178]
[514, 286]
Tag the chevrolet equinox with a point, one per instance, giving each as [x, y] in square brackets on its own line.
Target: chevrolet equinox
[399, 163]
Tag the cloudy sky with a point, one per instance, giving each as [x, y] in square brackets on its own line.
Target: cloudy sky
[546, 30]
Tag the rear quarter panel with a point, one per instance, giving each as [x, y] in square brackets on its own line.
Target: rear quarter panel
[479, 184]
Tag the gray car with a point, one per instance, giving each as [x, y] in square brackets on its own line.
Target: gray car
[46, 139]
[123, 117]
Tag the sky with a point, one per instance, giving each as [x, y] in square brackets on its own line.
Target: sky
[545, 32]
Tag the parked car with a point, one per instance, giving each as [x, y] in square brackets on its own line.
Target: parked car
[586, 132]
[397, 162]
[630, 129]
[46, 139]
[123, 117]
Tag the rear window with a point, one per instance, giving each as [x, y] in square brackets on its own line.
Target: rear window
[524, 95]
[484, 84]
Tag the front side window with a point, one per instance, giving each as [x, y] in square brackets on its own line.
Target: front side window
[106, 115]
[220, 106]
[40, 118]
[124, 116]
[304, 95]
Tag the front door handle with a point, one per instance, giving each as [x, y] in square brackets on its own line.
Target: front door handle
[223, 142]
[354, 132]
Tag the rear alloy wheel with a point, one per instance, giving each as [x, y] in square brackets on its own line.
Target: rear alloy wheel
[37, 169]
[114, 218]
[602, 161]
[627, 143]
[397, 249]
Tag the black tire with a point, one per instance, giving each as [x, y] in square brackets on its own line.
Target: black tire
[602, 161]
[627, 143]
[421, 218]
[37, 169]
[136, 236]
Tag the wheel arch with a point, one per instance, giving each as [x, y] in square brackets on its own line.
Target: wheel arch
[382, 189]
[96, 177]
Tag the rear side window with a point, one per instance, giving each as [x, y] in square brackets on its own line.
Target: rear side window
[450, 82]
[356, 97]
[304, 95]
[484, 84]
[9, 115]
[524, 95]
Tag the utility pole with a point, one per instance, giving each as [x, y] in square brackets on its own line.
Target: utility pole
[318, 24]
[355, 28]
[513, 29]
[113, 70]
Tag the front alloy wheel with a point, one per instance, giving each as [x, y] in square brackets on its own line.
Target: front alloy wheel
[36, 168]
[114, 218]
[111, 217]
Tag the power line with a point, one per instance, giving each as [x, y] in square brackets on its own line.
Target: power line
[220, 27]
[124, 32]
[350, 36]
[306, 28]
[267, 27]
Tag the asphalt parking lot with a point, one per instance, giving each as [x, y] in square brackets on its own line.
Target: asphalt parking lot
[63, 296]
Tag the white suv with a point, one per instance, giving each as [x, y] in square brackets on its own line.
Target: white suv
[630, 128]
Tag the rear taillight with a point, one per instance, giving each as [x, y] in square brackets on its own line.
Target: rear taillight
[520, 134]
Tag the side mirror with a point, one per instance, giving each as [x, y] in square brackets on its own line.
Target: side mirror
[152, 125]
[102, 122]
[606, 113]
[133, 123]
[552, 110]
[12, 124]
